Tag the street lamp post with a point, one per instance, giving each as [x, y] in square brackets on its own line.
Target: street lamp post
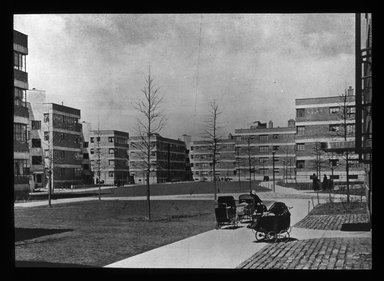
[273, 168]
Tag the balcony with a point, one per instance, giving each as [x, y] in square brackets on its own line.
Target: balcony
[21, 179]
[21, 111]
[20, 75]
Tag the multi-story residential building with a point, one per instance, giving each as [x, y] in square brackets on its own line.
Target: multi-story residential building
[329, 120]
[108, 152]
[167, 159]
[37, 100]
[202, 158]
[188, 171]
[263, 151]
[62, 144]
[21, 130]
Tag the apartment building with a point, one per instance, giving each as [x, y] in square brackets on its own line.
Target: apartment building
[263, 151]
[62, 144]
[202, 157]
[108, 153]
[167, 159]
[21, 127]
[36, 104]
[329, 121]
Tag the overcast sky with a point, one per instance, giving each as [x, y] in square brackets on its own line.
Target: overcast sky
[254, 65]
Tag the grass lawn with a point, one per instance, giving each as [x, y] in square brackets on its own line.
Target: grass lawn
[188, 188]
[97, 233]
[159, 189]
[340, 208]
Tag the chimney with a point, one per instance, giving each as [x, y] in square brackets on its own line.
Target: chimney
[291, 123]
[270, 124]
[350, 91]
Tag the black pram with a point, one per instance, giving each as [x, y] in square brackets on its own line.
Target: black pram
[226, 211]
[273, 224]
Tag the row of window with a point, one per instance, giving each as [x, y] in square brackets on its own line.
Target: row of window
[19, 97]
[350, 111]
[332, 128]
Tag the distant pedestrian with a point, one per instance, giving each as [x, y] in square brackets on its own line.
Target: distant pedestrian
[325, 183]
[315, 182]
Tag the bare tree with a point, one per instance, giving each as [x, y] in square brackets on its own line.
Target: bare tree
[345, 114]
[319, 161]
[150, 123]
[214, 138]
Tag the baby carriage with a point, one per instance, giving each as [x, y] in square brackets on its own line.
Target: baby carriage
[226, 211]
[248, 206]
[274, 224]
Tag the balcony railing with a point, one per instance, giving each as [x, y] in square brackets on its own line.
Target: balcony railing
[20, 75]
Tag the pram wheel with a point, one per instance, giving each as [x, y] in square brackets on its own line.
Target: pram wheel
[259, 235]
[271, 236]
[284, 235]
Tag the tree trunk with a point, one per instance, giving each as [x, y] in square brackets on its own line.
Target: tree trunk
[148, 197]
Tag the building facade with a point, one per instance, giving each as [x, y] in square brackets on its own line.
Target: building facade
[201, 157]
[266, 151]
[330, 121]
[36, 104]
[62, 145]
[108, 153]
[167, 159]
[21, 127]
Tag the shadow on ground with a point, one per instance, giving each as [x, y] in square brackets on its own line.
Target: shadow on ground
[30, 233]
[282, 240]
[47, 264]
[356, 227]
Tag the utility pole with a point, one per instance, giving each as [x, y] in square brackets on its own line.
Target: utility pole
[249, 165]
[98, 158]
[273, 168]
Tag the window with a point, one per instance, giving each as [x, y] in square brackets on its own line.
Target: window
[62, 154]
[37, 160]
[300, 112]
[334, 177]
[276, 147]
[353, 177]
[110, 139]
[351, 110]
[36, 142]
[334, 110]
[77, 172]
[350, 128]
[19, 97]
[191, 148]
[92, 140]
[263, 137]
[62, 136]
[275, 137]
[36, 125]
[333, 162]
[85, 156]
[264, 149]
[263, 159]
[300, 146]
[276, 159]
[62, 172]
[300, 164]
[85, 166]
[46, 136]
[334, 128]
[21, 167]
[263, 170]
[300, 130]
[46, 117]
[111, 174]
[92, 151]
[85, 144]
[277, 170]
[19, 132]
[111, 162]
[19, 61]
[111, 151]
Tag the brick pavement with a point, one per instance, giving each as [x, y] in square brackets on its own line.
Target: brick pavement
[330, 222]
[323, 253]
